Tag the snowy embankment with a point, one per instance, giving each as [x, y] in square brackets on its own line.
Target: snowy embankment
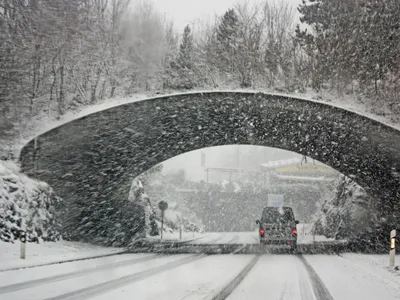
[26, 205]
[49, 253]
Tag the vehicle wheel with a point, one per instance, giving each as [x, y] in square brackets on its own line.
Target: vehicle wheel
[293, 249]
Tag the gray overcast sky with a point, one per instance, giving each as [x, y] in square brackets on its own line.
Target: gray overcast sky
[184, 12]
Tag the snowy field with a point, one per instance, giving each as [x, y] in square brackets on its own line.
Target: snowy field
[153, 277]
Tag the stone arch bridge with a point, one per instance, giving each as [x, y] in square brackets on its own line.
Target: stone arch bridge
[92, 160]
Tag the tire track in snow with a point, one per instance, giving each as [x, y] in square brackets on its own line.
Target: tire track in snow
[230, 287]
[111, 285]
[305, 284]
[320, 290]
[36, 282]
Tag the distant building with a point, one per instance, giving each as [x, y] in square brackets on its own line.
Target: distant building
[294, 171]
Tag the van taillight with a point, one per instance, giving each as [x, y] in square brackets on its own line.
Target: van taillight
[294, 231]
[262, 231]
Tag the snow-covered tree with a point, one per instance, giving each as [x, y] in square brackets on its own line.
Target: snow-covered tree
[227, 35]
[347, 213]
[27, 205]
[183, 69]
[343, 43]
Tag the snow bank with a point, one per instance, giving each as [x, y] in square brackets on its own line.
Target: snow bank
[26, 203]
[48, 253]
[379, 262]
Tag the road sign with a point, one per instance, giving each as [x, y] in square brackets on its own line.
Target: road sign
[275, 200]
[162, 205]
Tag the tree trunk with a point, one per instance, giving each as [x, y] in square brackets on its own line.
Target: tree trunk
[61, 92]
[103, 90]
[53, 84]
[112, 92]
[95, 85]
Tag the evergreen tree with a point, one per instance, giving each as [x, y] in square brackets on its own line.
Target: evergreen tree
[183, 68]
[185, 59]
[227, 34]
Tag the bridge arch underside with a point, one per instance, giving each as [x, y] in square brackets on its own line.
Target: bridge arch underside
[96, 157]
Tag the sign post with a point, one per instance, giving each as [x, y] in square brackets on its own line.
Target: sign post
[23, 244]
[392, 252]
[163, 206]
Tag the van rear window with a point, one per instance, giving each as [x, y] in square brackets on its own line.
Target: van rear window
[275, 215]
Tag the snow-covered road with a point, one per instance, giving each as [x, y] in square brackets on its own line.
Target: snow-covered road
[250, 237]
[214, 277]
[227, 238]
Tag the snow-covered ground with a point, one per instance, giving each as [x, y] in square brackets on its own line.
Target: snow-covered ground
[149, 276]
[51, 253]
[348, 279]
[46, 253]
